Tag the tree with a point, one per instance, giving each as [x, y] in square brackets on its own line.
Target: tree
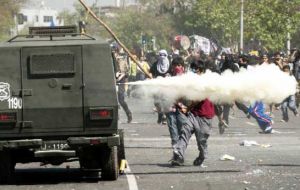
[269, 21]
[130, 26]
[8, 9]
[265, 21]
[215, 19]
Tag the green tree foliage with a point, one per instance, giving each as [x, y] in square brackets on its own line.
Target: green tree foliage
[8, 9]
[131, 25]
[265, 21]
[269, 21]
[215, 19]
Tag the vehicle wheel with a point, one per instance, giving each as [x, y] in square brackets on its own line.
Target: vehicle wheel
[110, 166]
[7, 168]
[121, 148]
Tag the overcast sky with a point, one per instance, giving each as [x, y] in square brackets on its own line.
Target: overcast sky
[68, 4]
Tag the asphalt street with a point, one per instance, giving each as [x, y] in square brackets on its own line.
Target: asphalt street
[273, 164]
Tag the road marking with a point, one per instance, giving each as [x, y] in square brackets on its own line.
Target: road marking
[250, 123]
[279, 132]
[132, 184]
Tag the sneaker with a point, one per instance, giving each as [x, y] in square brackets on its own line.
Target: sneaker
[283, 120]
[224, 123]
[268, 130]
[177, 160]
[198, 161]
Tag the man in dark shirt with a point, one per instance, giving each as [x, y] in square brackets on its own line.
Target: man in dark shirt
[199, 121]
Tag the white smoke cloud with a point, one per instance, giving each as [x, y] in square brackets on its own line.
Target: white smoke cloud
[266, 82]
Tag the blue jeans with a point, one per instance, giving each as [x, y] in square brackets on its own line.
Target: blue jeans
[175, 121]
[289, 102]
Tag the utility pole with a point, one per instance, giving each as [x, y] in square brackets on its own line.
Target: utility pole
[242, 28]
[288, 43]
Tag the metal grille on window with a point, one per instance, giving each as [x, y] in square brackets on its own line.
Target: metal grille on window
[54, 64]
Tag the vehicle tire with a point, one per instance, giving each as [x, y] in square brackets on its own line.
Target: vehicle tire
[110, 166]
[7, 167]
[121, 148]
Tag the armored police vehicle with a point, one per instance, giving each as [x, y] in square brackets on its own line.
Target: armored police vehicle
[58, 102]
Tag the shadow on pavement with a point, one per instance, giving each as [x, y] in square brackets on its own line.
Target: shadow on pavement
[147, 147]
[54, 176]
[184, 172]
[278, 165]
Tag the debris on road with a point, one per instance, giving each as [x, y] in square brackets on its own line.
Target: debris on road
[266, 145]
[227, 157]
[249, 143]
[254, 143]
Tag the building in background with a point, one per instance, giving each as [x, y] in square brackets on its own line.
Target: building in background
[119, 3]
[39, 16]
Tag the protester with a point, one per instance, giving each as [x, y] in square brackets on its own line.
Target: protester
[122, 70]
[264, 59]
[199, 120]
[289, 102]
[229, 64]
[140, 75]
[296, 72]
[278, 60]
[257, 111]
[161, 68]
[132, 74]
[175, 116]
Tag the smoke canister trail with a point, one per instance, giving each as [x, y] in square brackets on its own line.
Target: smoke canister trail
[266, 83]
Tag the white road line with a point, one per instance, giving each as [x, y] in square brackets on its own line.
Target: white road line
[250, 123]
[132, 184]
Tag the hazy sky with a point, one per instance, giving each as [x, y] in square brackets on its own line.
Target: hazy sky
[68, 4]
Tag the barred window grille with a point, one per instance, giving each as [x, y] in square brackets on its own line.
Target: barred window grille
[54, 64]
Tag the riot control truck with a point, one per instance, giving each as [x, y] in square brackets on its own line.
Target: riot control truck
[58, 102]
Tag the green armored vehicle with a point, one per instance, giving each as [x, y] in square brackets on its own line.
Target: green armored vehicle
[58, 102]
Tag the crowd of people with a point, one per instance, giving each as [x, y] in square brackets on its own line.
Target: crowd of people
[185, 118]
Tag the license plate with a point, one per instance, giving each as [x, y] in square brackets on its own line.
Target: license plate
[54, 145]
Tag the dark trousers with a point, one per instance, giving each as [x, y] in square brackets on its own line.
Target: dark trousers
[201, 127]
[175, 120]
[121, 99]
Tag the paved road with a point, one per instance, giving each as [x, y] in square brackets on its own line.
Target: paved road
[148, 152]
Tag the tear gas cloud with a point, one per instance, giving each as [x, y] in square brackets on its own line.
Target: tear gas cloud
[266, 83]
